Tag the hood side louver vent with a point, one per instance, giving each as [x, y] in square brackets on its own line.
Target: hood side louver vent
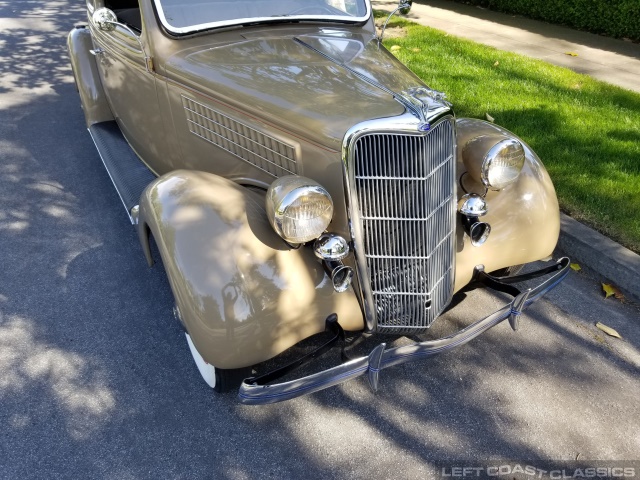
[262, 151]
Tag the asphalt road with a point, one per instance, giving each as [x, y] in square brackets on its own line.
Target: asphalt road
[96, 380]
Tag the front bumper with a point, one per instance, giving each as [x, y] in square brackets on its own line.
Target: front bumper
[253, 392]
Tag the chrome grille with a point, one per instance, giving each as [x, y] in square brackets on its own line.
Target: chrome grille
[262, 151]
[404, 190]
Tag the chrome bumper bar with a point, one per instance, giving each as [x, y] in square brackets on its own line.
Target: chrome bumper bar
[379, 358]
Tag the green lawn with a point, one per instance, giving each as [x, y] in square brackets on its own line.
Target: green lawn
[586, 132]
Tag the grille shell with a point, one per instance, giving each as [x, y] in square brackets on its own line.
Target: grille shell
[402, 202]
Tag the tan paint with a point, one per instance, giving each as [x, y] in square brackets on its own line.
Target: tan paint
[524, 217]
[243, 294]
[92, 96]
[293, 85]
[131, 92]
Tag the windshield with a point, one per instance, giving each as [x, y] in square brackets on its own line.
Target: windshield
[186, 16]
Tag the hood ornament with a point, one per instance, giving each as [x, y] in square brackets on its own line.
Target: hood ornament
[420, 101]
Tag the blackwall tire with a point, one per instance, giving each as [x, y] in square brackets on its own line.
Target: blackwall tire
[228, 380]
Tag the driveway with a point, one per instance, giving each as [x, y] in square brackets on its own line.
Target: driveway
[96, 380]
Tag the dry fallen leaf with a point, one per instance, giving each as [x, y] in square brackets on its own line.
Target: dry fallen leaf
[395, 48]
[608, 330]
[575, 267]
[496, 64]
[611, 290]
[489, 117]
[573, 54]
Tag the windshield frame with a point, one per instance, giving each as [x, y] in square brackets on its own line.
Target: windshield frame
[258, 20]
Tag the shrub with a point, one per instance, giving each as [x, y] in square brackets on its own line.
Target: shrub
[615, 18]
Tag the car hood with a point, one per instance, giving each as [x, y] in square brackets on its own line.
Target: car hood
[304, 84]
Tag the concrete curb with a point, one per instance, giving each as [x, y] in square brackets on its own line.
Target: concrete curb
[601, 254]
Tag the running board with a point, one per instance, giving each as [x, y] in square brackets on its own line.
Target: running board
[129, 175]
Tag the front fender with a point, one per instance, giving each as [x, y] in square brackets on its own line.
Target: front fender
[524, 217]
[243, 294]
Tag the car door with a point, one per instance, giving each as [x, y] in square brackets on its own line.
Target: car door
[130, 86]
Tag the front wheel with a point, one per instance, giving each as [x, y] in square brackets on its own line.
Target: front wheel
[221, 380]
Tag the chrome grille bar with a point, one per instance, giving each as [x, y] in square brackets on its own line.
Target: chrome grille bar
[403, 200]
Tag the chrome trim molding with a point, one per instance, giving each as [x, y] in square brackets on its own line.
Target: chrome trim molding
[267, 153]
[380, 357]
[241, 21]
[401, 193]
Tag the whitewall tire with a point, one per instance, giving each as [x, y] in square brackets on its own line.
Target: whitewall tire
[207, 370]
[220, 379]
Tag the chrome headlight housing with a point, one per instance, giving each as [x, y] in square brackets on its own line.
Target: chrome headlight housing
[503, 164]
[500, 166]
[299, 209]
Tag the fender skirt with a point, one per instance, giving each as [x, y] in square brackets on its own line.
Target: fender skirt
[242, 293]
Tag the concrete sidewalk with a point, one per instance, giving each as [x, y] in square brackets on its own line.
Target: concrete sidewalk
[607, 59]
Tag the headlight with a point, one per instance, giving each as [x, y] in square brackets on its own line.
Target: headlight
[298, 208]
[500, 166]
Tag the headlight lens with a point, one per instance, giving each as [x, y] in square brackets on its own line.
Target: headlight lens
[298, 208]
[503, 163]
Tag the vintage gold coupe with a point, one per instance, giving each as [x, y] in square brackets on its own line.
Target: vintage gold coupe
[297, 179]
